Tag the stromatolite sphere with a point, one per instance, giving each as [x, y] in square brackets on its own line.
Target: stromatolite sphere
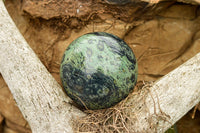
[98, 70]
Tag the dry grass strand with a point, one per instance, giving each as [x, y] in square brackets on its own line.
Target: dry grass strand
[119, 118]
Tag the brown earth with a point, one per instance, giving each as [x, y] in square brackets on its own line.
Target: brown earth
[162, 37]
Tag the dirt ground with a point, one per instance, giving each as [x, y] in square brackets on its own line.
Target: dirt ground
[162, 36]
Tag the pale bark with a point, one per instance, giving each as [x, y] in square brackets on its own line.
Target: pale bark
[47, 109]
[39, 97]
[170, 98]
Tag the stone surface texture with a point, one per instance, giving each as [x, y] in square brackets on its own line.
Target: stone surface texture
[100, 69]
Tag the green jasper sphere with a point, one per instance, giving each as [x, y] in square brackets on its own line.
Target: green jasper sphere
[98, 70]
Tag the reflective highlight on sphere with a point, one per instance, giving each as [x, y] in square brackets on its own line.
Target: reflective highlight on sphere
[98, 70]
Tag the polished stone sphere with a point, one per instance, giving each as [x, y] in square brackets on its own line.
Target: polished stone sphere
[98, 70]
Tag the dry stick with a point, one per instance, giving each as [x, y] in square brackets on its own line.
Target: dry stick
[174, 95]
[39, 97]
[47, 108]
[194, 111]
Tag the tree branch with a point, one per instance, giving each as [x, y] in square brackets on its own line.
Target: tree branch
[170, 98]
[39, 97]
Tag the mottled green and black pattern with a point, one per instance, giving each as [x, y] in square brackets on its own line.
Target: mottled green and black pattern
[99, 70]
